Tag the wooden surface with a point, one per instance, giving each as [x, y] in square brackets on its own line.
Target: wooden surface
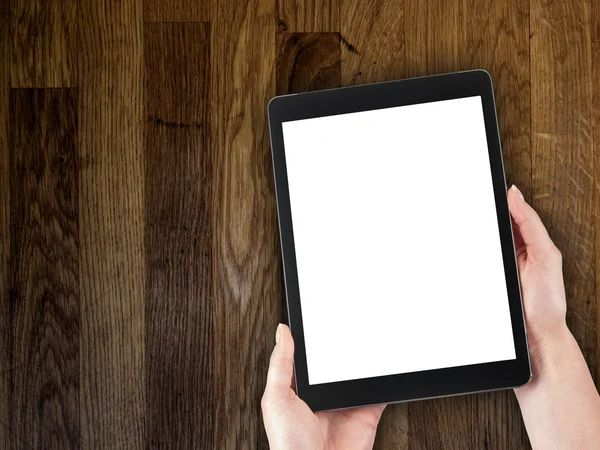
[140, 274]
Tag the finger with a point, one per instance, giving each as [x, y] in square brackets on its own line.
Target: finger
[530, 228]
[281, 366]
[519, 244]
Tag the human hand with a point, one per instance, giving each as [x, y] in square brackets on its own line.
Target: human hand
[540, 273]
[290, 423]
[560, 406]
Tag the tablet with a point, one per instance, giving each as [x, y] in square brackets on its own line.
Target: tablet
[398, 255]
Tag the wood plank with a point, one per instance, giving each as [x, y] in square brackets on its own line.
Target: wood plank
[307, 62]
[44, 269]
[496, 38]
[595, 31]
[4, 223]
[432, 36]
[246, 254]
[562, 185]
[43, 43]
[178, 236]
[373, 41]
[446, 36]
[111, 181]
[596, 207]
[176, 11]
[312, 16]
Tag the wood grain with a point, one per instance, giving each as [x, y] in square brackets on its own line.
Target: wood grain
[111, 181]
[562, 184]
[43, 43]
[496, 38]
[308, 15]
[246, 281]
[176, 11]
[596, 172]
[4, 224]
[595, 31]
[307, 62]
[432, 36]
[44, 269]
[164, 270]
[178, 236]
[373, 41]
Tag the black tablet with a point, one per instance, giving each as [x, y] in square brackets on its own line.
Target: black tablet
[398, 254]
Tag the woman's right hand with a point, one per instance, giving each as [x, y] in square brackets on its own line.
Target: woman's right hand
[560, 405]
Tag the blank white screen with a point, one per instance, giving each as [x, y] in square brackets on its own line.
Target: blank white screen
[397, 244]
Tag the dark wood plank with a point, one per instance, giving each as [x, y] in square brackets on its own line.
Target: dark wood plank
[562, 184]
[44, 269]
[373, 41]
[246, 254]
[443, 36]
[307, 62]
[110, 79]
[596, 172]
[176, 11]
[311, 16]
[178, 242]
[4, 223]
[43, 43]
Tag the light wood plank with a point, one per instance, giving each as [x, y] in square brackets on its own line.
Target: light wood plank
[176, 11]
[313, 16]
[44, 269]
[373, 41]
[562, 184]
[595, 8]
[596, 172]
[178, 241]
[433, 35]
[111, 224]
[43, 43]
[246, 283]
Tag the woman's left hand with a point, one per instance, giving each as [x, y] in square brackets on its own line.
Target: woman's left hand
[289, 422]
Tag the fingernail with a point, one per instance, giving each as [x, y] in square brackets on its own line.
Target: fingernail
[519, 193]
[278, 334]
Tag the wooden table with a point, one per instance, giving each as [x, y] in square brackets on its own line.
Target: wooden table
[140, 271]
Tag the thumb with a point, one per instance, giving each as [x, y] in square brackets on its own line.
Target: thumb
[535, 237]
[281, 366]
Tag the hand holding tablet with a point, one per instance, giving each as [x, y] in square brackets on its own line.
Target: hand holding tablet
[399, 263]
[561, 408]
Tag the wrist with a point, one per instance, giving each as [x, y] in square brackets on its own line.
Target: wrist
[548, 353]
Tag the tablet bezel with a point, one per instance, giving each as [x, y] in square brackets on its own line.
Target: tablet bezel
[413, 385]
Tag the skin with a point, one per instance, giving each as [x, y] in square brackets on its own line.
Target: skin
[560, 405]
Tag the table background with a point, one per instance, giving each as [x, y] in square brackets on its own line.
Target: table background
[140, 274]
